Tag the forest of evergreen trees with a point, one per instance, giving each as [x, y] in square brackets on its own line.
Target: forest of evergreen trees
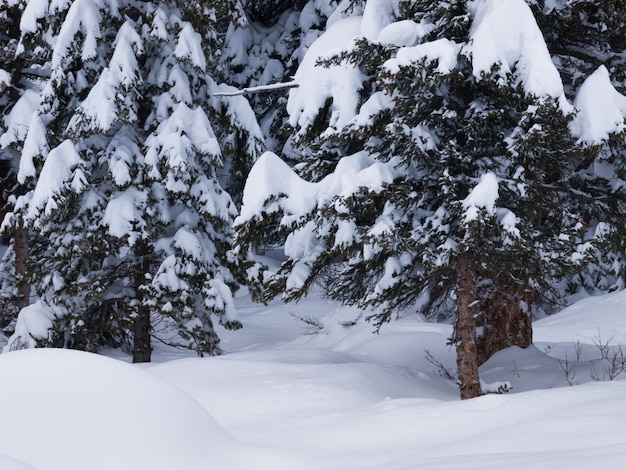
[462, 159]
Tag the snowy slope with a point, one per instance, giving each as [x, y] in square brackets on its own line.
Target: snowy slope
[310, 386]
[347, 398]
[320, 394]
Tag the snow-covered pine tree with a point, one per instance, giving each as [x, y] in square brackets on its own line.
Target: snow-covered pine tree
[585, 38]
[270, 49]
[582, 35]
[130, 222]
[600, 126]
[21, 79]
[459, 201]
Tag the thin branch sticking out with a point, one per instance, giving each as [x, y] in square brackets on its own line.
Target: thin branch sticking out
[259, 89]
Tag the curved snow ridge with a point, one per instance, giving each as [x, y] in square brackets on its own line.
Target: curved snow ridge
[590, 320]
[601, 108]
[8, 463]
[71, 410]
[506, 33]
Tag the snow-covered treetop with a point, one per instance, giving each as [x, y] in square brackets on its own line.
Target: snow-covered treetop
[601, 109]
[174, 140]
[189, 47]
[318, 84]
[506, 33]
[83, 16]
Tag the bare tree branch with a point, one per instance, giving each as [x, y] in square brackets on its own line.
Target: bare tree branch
[259, 89]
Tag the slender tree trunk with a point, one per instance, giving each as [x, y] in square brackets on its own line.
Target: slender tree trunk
[20, 237]
[142, 349]
[465, 332]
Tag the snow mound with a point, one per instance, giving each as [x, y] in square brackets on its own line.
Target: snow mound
[601, 108]
[7, 463]
[74, 410]
[507, 33]
[593, 319]
[318, 83]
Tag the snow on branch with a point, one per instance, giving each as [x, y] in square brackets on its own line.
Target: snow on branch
[258, 89]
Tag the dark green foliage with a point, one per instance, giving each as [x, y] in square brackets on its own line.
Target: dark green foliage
[441, 132]
[267, 11]
[583, 35]
[132, 242]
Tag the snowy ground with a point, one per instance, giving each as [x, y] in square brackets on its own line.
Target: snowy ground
[297, 396]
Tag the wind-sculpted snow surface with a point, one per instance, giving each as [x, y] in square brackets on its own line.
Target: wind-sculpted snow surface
[79, 410]
[348, 398]
[7, 463]
[341, 398]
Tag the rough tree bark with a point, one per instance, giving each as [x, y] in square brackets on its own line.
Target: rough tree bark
[142, 349]
[503, 323]
[465, 331]
[20, 237]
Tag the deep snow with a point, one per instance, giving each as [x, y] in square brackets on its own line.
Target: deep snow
[320, 394]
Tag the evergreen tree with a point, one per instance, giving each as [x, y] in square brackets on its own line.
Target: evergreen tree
[270, 49]
[21, 79]
[472, 212]
[600, 125]
[129, 217]
[586, 41]
[583, 35]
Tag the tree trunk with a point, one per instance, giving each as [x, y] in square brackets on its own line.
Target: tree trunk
[465, 332]
[504, 323]
[20, 237]
[142, 349]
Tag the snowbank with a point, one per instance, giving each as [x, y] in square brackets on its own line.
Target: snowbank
[71, 410]
[7, 463]
[340, 398]
[347, 398]
[586, 321]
